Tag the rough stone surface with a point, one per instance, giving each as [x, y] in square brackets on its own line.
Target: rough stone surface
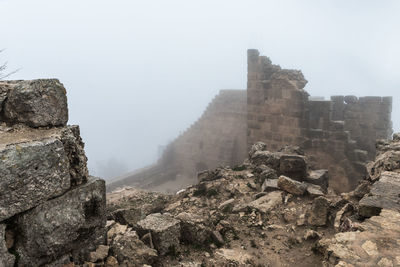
[269, 185]
[318, 214]
[37, 103]
[193, 229]
[100, 254]
[32, 172]
[74, 222]
[293, 166]
[379, 239]
[165, 231]
[319, 177]
[74, 148]
[267, 202]
[314, 190]
[6, 259]
[384, 194]
[130, 251]
[291, 186]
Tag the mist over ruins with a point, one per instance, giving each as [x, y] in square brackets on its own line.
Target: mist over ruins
[269, 174]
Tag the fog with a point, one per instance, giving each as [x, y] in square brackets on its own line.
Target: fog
[138, 73]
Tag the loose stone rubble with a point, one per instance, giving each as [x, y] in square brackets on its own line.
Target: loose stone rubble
[263, 214]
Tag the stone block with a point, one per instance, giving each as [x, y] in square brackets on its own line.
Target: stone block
[294, 166]
[291, 186]
[37, 103]
[6, 259]
[268, 202]
[164, 229]
[193, 229]
[318, 177]
[318, 214]
[31, 173]
[384, 194]
[269, 185]
[72, 223]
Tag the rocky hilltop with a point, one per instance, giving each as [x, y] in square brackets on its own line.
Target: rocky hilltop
[270, 211]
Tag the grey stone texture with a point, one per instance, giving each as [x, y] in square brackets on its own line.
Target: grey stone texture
[6, 259]
[74, 222]
[164, 229]
[31, 173]
[37, 103]
[291, 186]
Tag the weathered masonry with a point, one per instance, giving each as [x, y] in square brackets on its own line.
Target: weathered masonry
[339, 133]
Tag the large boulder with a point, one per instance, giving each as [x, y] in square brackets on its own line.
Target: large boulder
[194, 229]
[165, 231]
[31, 173]
[318, 177]
[6, 259]
[72, 223]
[294, 166]
[37, 103]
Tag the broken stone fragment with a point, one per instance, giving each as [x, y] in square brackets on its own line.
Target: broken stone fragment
[217, 238]
[268, 173]
[100, 254]
[314, 190]
[6, 259]
[164, 229]
[193, 229]
[72, 223]
[129, 250]
[294, 166]
[318, 177]
[37, 103]
[259, 146]
[318, 214]
[267, 202]
[341, 214]
[267, 158]
[31, 173]
[291, 186]
[227, 206]
[269, 185]
[384, 194]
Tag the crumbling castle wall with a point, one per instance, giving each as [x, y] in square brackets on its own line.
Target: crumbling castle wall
[51, 210]
[217, 138]
[338, 134]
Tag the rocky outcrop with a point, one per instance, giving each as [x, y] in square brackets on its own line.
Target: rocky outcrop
[51, 212]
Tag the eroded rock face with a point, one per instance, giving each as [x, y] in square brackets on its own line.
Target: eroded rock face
[31, 173]
[6, 259]
[37, 103]
[74, 223]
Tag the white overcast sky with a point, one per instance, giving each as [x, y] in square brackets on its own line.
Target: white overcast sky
[139, 72]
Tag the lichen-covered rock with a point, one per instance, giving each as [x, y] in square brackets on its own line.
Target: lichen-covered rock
[74, 222]
[31, 173]
[74, 147]
[6, 259]
[291, 186]
[164, 229]
[37, 103]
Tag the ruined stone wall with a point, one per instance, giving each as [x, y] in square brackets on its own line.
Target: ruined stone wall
[217, 138]
[51, 210]
[276, 101]
[339, 134]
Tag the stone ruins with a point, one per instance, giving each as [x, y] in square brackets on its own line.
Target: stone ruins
[337, 134]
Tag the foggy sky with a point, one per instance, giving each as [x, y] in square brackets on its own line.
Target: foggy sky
[138, 73]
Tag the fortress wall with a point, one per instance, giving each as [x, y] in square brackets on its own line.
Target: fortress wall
[276, 112]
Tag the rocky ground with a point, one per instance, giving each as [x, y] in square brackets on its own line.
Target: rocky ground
[270, 211]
